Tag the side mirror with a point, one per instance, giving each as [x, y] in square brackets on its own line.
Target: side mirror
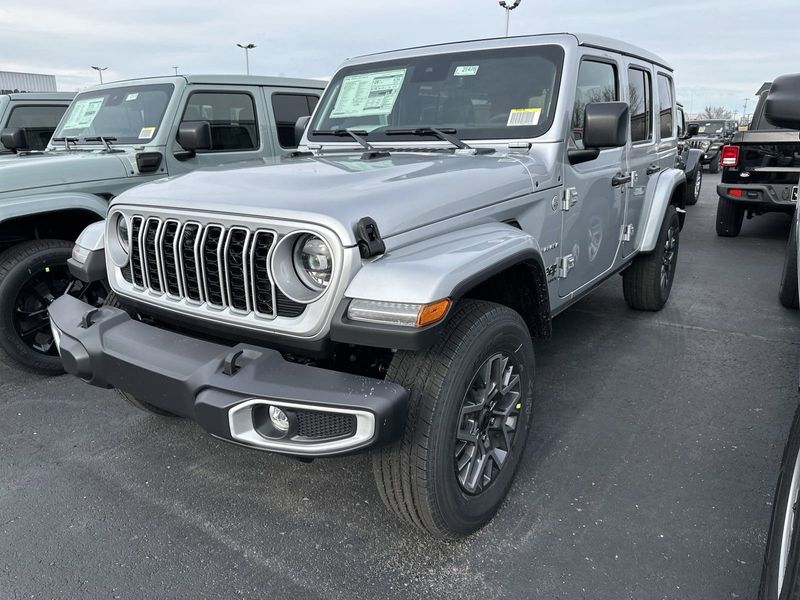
[195, 135]
[782, 107]
[14, 138]
[605, 125]
[692, 129]
[300, 128]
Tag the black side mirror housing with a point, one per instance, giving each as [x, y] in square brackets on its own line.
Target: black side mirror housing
[782, 107]
[195, 135]
[692, 129]
[605, 125]
[14, 138]
[300, 128]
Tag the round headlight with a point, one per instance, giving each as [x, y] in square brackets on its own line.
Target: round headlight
[313, 262]
[706, 144]
[123, 233]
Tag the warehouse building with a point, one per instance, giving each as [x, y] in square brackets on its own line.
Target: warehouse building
[26, 82]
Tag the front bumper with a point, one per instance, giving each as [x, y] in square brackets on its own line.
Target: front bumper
[228, 390]
[777, 197]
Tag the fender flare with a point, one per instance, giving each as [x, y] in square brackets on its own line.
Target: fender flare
[692, 162]
[25, 206]
[661, 193]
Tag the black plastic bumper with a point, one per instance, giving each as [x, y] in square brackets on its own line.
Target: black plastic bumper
[206, 381]
[776, 197]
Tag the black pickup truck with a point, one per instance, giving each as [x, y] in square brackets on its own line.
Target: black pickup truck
[759, 172]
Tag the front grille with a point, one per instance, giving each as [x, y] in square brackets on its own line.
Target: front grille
[320, 425]
[225, 268]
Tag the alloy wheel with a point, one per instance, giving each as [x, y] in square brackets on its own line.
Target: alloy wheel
[668, 259]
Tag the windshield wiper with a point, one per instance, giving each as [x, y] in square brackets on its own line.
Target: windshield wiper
[446, 135]
[67, 141]
[355, 134]
[105, 140]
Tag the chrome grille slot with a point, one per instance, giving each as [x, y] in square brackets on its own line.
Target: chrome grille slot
[188, 249]
[236, 268]
[136, 252]
[150, 254]
[168, 245]
[263, 290]
[211, 265]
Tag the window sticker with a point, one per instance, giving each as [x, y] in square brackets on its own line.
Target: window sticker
[147, 133]
[130, 97]
[466, 71]
[522, 117]
[370, 94]
[84, 113]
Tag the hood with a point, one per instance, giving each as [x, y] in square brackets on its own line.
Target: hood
[25, 172]
[401, 192]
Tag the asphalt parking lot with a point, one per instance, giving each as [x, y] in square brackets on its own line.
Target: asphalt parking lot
[649, 471]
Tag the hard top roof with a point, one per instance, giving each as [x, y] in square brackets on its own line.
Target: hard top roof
[41, 95]
[258, 80]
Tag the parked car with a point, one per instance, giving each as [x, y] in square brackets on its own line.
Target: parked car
[37, 115]
[381, 289]
[759, 173]
[689, 159]
[114, 137]
[709, 136]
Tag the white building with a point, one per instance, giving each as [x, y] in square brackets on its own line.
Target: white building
[26, 82]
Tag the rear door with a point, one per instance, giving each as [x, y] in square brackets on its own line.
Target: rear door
[643, 153]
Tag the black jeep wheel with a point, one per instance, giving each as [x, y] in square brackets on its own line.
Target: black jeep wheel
[780, 576]
[693, 188]
[729, 218]
[32, 275]
[467, 425]
[647, 283]
[788, 293]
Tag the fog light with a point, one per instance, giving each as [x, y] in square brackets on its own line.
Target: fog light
[278, 418]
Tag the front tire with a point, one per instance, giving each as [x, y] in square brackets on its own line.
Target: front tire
[780, 576]
[713, 166]
[469, 412]
[32, 275]
[729, 218]
[694, 187]
[647, 283]
[788, 293]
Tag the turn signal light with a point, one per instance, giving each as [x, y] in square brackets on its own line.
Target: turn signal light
[435, 311]
[729, 156]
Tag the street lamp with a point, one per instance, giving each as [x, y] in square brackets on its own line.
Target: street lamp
[509, 5]
[247, 48]
[176, 70]
[100, 72]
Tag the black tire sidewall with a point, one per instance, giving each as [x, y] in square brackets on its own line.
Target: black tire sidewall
[670, 218]
[463, 512]
[788, 292]
[56, 253]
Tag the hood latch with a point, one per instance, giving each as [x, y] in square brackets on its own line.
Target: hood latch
[369, 238]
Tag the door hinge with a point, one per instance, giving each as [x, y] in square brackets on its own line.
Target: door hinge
[627, 233]
[565, 265]
[634, 179]
[569, 199]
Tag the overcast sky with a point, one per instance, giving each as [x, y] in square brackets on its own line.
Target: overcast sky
[722, 51]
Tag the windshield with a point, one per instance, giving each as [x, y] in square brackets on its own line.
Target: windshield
[131, 114]
[490, 94]
[711, 127]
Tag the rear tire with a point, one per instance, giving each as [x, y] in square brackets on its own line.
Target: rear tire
[713, 166]
[693, 188]
[729, 218]
[459, 417]
[788, 293]
[783, 540]
[647, 283]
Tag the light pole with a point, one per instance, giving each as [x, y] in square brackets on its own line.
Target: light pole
[176, 70]
[247, 48]
[744, 112]
[509, 5]
[100, 72]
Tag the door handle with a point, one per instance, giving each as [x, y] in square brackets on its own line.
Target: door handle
[653, 169]
[620, 179]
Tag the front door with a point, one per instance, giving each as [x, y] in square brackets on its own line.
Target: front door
[593, 209]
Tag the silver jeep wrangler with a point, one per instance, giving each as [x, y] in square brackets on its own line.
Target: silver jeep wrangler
[380, 288]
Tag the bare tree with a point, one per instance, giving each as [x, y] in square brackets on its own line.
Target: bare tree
[716, 112]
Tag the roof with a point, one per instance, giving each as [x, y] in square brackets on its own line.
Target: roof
[223, 80]
[582, 39]
[42, 96]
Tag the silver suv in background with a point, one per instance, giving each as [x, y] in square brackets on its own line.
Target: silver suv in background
[380, 289]
[112, 138]
[36, 114]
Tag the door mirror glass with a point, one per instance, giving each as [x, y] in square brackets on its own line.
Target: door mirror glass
[782, 107]
[195, 135]
[14, 138]
[300, 128]
[606, 125]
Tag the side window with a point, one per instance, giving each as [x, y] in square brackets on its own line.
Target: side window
[681, 122]
[666, 102]
[231, 116]
[288, 108]
[39, 123]
[641, 103]
[597, 82]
